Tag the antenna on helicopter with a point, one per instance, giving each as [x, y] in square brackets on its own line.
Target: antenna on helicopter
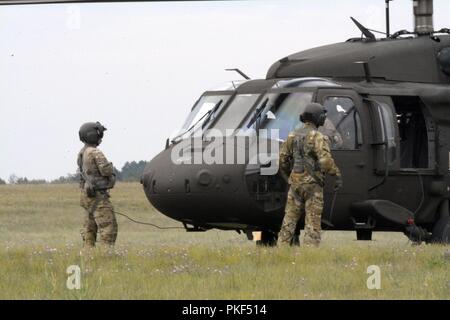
[366, 32]
[240, 72]
[388, 31]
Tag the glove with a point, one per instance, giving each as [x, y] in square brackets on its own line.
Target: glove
[338, 183]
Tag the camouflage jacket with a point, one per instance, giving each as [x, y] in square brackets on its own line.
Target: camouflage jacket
[93, 165]
[316, 150]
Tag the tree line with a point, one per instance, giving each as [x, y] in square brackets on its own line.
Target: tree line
[131, 171]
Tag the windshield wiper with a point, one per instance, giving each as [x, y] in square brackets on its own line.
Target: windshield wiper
[258, 112]
[207, 114]
[211, 112]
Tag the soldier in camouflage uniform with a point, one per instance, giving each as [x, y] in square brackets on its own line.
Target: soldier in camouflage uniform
[97, 178]
[307, 152]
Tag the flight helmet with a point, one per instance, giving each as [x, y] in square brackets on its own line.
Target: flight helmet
[91, 132]
[315, 113]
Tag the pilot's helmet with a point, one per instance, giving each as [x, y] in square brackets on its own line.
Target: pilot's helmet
[315, 113]
[92, 133]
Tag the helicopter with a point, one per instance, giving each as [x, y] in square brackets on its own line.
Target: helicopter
[387, 106]
[387, 102]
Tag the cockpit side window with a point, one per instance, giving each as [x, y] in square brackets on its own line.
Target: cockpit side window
[343, 124]
[282, 111]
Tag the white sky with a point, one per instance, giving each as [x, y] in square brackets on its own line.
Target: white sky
[139, 67]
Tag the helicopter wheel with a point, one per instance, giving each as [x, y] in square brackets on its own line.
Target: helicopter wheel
[364, 234]
[268, 239]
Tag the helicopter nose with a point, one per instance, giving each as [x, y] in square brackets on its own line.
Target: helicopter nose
[194, 192]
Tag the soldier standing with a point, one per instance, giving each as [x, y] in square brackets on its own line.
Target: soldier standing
[307, 151]
[96, 178]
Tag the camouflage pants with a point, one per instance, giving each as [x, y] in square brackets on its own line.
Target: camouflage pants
[98, 217]
[309, 200]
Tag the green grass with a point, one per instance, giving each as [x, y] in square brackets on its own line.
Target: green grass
[39, 239]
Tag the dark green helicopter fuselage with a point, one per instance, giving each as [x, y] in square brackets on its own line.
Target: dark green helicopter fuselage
[391, 102]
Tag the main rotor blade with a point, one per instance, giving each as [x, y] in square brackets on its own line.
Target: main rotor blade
[21, 2]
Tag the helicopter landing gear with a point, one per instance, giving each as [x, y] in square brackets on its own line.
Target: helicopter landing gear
[364, 234]
[441, 229]
[268, 239]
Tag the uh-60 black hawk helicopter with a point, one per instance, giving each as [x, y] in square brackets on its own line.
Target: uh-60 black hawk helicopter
[388, 103]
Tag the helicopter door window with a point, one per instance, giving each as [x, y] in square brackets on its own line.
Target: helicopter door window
[283, 111]
[343, 124]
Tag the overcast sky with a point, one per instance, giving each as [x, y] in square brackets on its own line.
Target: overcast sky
[139, 67]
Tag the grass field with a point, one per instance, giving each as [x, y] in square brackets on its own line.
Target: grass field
[39, 240]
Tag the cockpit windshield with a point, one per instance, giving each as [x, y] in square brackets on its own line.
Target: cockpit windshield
[235, 113]
[203, 111]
